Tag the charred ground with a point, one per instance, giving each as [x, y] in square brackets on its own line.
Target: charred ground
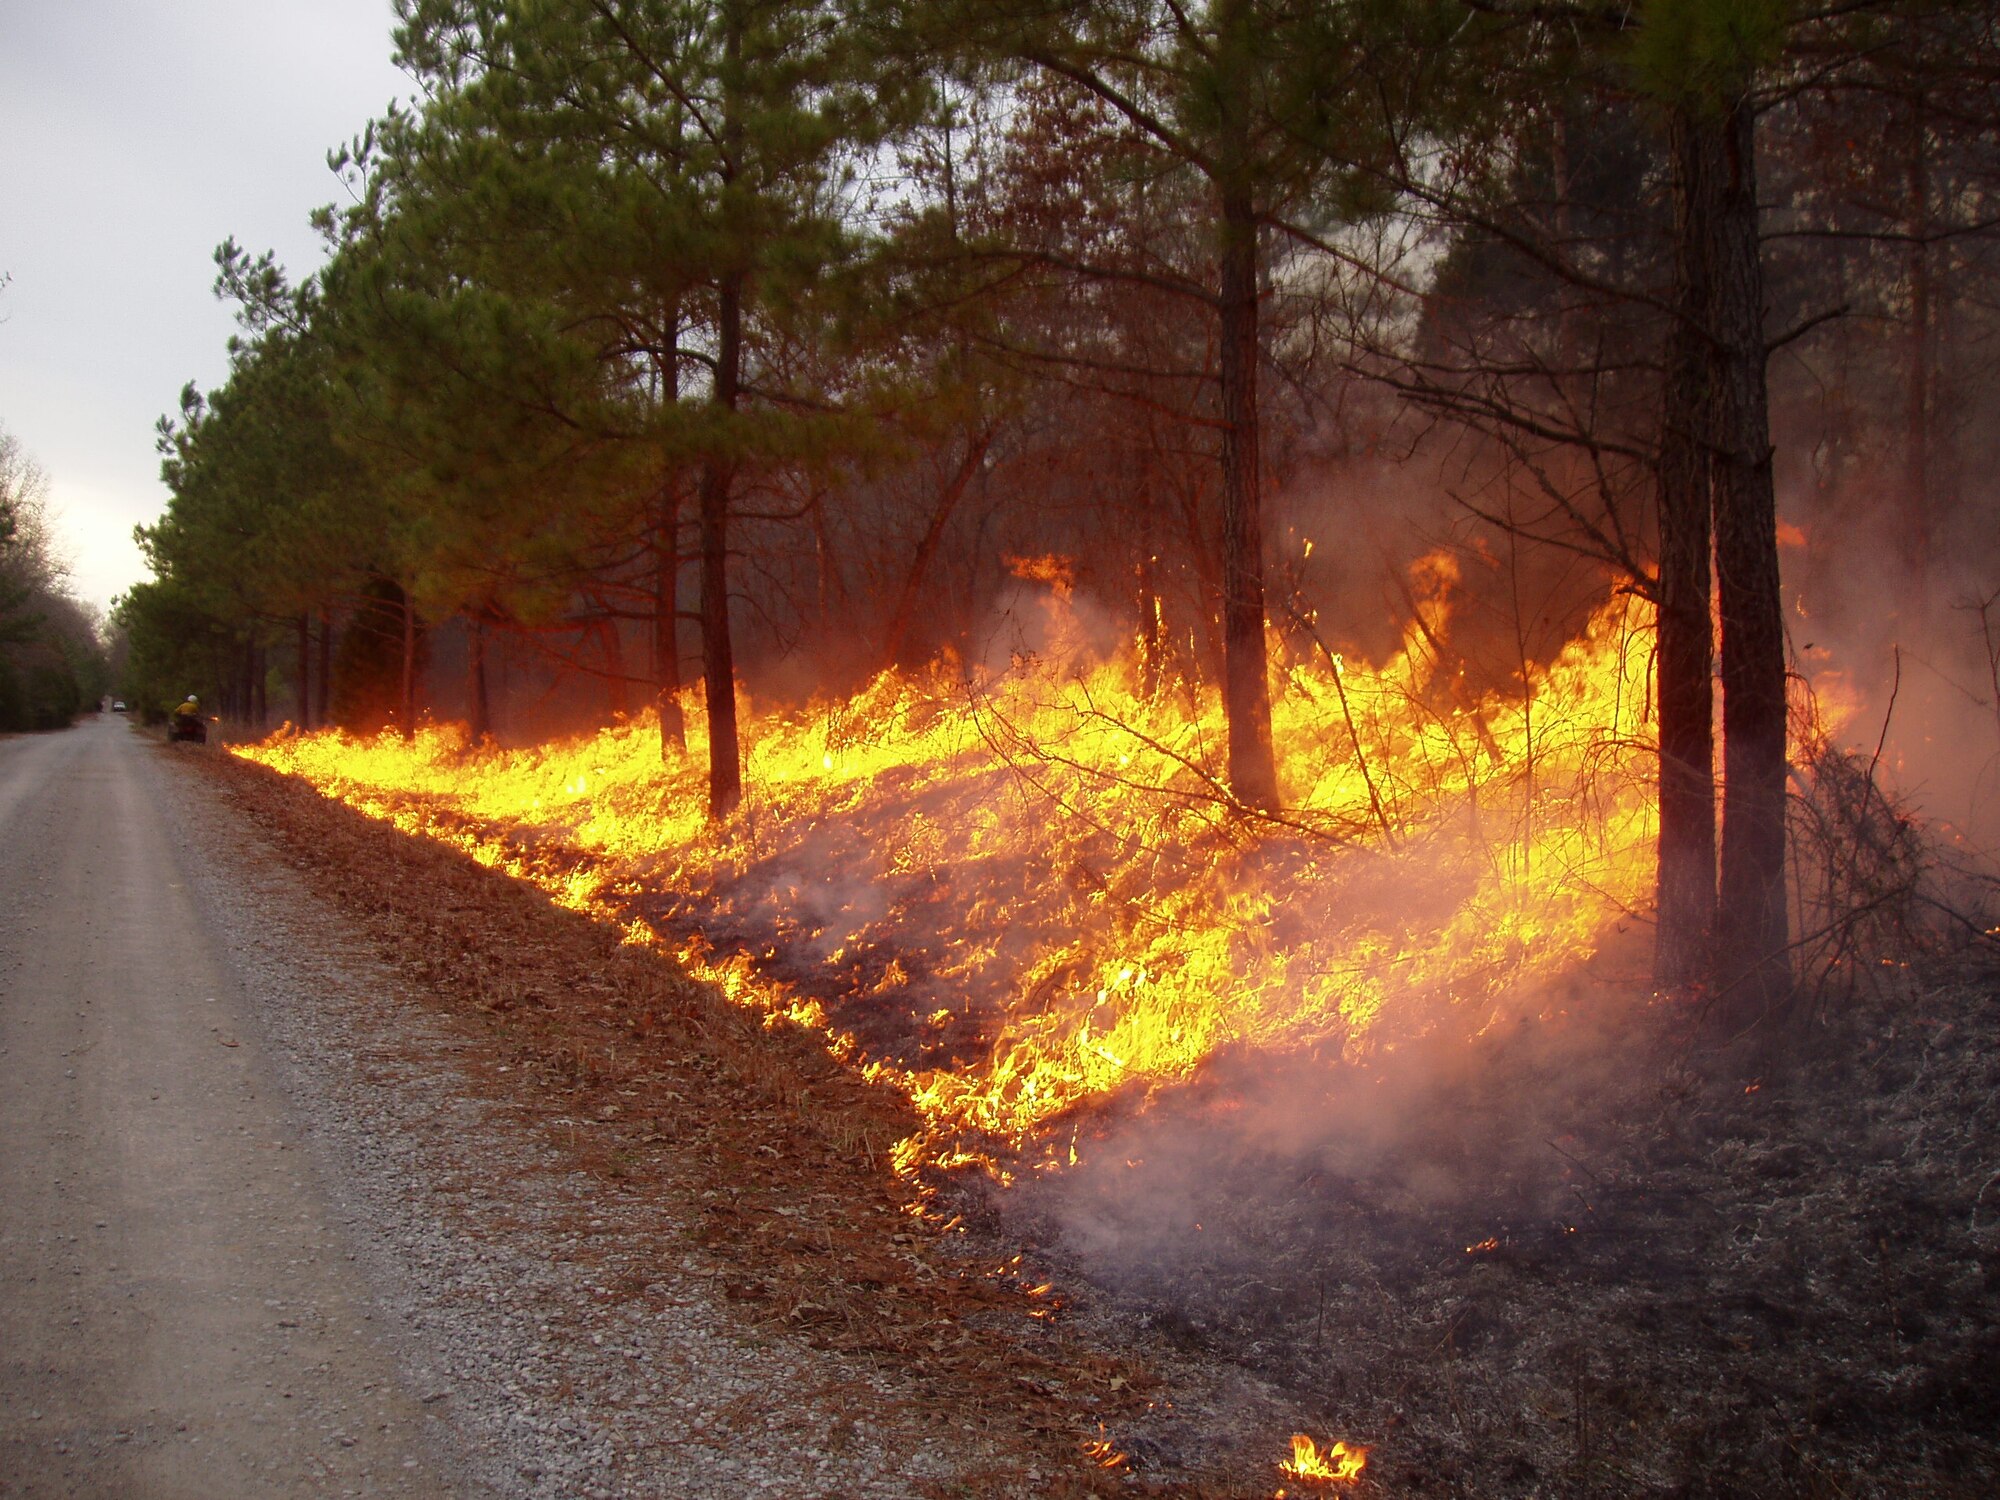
[1557, 1263]
[1528, 1274]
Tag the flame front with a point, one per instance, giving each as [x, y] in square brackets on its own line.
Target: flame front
[1009, 891]
[1335, 1463]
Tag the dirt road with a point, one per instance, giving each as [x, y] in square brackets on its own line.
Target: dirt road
[179, 1315]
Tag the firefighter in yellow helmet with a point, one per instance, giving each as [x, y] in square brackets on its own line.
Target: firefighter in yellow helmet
[185, 722]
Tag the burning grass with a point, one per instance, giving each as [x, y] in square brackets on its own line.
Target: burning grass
[1546, 1261]
[1015, 892]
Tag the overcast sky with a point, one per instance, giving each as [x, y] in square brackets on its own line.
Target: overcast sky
[136, 136]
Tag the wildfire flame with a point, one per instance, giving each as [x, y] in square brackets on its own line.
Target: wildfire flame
[1337, 1463]
[1008, 890]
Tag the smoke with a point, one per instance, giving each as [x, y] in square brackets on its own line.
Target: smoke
[1896, 628]
[812, 895]
[1044, 617]
[1364, 545]
[1268, 1171]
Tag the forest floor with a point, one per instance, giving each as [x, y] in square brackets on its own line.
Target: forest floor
[1544, 1266]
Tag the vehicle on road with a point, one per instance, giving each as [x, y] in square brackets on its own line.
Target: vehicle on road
[186, 722]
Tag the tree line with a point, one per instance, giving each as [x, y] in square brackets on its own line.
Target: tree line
[52, 658]
[694, 342]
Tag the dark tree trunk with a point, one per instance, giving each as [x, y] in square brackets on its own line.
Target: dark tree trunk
[667, 570]
[1683, 938]
[325, 709]
[1918, 528]
[305, 670]
[611, 650]
[1246, 694]
[1152, 644]
[927, 545]
[830, 592]
[725, 771]
[406, 712]
[1752, 924]
[254, 685]
[666, 620]
[481, 727]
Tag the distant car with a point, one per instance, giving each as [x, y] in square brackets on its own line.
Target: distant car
[118, 705]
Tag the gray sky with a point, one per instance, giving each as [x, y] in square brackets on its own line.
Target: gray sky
[135, 136]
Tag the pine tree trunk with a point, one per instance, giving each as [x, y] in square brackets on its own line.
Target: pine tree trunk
[481, 727]
[718, 660]
[1917, 528]
[725, 772]
[611, 648]
[259, 710]
[1753, 930]
[667, 569]
[666, 621]
[324, 715]
[407, 696]
[1686, 891]
[829, 592]
[1246, 694]
[1152, 644]
[305, 670]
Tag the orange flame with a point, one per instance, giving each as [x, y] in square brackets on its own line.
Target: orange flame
[1332, 1465]
[1059, 573]
[1104, 1453]
[1037, 865]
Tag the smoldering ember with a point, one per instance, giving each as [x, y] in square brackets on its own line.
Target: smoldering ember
[1265, 736]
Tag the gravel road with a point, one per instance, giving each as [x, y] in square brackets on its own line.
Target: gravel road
[258, 1235]
[180, 1314]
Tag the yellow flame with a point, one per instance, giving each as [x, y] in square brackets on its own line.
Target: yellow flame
[1336, 1463]
[1049, 852]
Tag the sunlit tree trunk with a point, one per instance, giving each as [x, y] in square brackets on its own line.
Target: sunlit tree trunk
[725, 772]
